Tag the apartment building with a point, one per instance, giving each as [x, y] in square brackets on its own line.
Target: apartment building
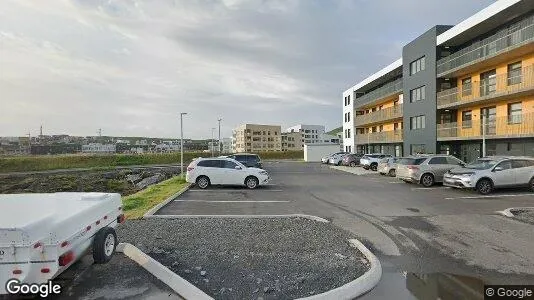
[465, 90]
[311, 134]
[292, 141]
[257, 138]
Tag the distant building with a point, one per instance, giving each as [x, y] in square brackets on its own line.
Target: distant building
[99, 148]
[311, 134]
[257, 138]
[226, 145]
[292, 141]
[125, 142]
[141, 142]
[167, 148]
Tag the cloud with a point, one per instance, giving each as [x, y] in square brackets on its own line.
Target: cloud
[131, 66]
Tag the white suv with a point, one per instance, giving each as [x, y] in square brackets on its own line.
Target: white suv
[224, 171]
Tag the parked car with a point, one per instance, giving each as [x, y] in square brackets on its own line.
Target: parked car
[388, 166]
[352, 159]
[326, 159]
[427, 169]
[337, 159]
[370, 161]
[486, 174]
[249, 160]
[224, 171]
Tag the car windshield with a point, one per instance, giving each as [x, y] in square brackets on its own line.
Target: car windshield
[482, 164]
[411, 161]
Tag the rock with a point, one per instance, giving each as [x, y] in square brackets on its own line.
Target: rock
[340, 256]
[133, 178]
[149, 181]
[187, 271]
[202, 273]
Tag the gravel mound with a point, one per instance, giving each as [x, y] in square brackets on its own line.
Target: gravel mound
[250, 258]
[526, 216]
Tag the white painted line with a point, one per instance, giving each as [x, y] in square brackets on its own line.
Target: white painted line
[431, 188]
[232, 201]
[492, 196]
[396, 182]
[233, 191]
[357, 287]
[304, 216]
[181, 286]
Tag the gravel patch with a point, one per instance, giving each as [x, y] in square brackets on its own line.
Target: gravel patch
[250, 258]
[526, 216]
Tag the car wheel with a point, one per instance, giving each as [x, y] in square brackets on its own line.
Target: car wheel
[531, 184]
[427, 180]
[352, 164]
[203, 182]
[392, 173]
[104, 245]
[251, 182]
[484, 186]
[374, 166]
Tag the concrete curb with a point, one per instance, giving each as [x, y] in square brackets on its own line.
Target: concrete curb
[357, 287]
[508, 212]
[309, 217]
[358, 171]
[175, 282]
[154, 209]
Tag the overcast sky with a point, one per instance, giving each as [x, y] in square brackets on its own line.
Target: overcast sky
[130, 67]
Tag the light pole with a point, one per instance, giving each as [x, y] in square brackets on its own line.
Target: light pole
[182, 143]
[219, 143]
[484, 135]
[212, 133]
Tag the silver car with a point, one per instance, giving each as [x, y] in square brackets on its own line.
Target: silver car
[486, 174]
[427, 169]
[336, 159]
[388, 166]
[370, 161]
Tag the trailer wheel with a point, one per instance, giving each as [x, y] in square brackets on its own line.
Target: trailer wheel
[104, 245]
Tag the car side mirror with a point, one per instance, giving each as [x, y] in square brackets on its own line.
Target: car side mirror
[238, 168]
[497, 169]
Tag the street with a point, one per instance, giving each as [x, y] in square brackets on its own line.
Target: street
[435, 231]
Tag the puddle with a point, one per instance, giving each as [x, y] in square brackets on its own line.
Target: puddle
[411, 286]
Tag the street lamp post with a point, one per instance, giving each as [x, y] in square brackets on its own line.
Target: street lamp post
[219, 143]
[182, 144]
[483, 135]
[212, 132]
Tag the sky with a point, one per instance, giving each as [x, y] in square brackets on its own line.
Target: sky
[130, 67]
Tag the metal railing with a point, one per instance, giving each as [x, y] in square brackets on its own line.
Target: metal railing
[381, 115]
[505, 126]
[381, 92]
[384, 137]
[490, 46]
[502, 84]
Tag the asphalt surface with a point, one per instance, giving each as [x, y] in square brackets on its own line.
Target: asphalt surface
[426, 232]
[121, 278]
[250, 258]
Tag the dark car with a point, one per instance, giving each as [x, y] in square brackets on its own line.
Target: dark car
[249, 160]
[352, 159]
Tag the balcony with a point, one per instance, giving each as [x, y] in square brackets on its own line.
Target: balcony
[384, 137]
[385, 91]
[502, 86]
[378, 116]
[500, 127]
[488, 48]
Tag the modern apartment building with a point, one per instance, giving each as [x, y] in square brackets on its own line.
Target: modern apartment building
[311, 134]
[292, 141]
[257, 138]
[463, 90]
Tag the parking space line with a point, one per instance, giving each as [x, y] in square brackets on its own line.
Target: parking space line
[396, 182]
[431, 188]
[491, 196]
[232, 191]
[232, 201]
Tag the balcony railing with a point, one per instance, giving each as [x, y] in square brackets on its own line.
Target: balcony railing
[502, 84]
[383, 137]
[382, 115]
[381, 92]
[521, 125]
[489, 47]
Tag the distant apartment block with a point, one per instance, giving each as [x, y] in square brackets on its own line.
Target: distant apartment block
[292, 141]
[311, 134]
[296, 136]
[257, 138]
[452, 88]
[99, 148]
[226, 145]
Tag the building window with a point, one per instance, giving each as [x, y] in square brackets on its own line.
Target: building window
[488, 82]
[417, 122]
[348, 117]
[417, 94]
[466, 119]
[466, 86]
[417, 149]
[417, 65]
[348, 100]
[348, 133]
[514, 73]
[381, 128]
[514, 113]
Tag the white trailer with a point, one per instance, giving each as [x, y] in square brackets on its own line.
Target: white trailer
[314, 152]
[41, 235]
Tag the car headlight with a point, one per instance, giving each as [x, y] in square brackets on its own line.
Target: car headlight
[464, 176]
[264, 173]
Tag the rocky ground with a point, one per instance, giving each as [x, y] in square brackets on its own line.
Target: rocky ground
[526, 216]
[250, 258]
[123, 181]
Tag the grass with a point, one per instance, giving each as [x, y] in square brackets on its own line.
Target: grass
[102, 162]
[136, 205]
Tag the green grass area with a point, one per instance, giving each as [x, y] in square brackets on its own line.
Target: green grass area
[54, 162]
[335, 131]
[136, 205]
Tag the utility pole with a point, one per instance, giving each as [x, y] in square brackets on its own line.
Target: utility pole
[41, 131]
[212, 132]
[219, 143]
[368, 142]
[182, 144]
[29, 143]
[483, 135]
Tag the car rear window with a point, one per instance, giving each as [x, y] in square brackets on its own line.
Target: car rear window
[412, 161]
[253, 158]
